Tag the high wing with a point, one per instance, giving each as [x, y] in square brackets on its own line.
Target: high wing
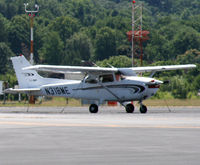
[99, 70]
[162, 68]
[15, 91]
[70, 69]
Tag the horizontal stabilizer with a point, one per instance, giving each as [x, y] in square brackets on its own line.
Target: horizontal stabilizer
[15, 91]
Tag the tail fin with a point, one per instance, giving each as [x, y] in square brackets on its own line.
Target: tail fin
[26, 78]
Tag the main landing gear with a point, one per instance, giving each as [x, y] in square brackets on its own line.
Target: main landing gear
[130, 108]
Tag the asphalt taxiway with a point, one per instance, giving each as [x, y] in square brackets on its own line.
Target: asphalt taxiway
[46, 136]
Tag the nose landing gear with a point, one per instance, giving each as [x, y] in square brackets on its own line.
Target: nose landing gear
[130, 108]
[143, 108]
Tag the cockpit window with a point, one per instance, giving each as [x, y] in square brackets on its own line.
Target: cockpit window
[91, 80]
[106, 78]
[119, 77]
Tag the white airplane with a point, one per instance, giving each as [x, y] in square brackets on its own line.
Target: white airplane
[99, 84]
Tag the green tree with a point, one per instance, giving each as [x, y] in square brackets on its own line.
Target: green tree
[105, 45]
[11, 8]
[190, 56]
[194, 22]
[196, 83]
[65, 26]
[3, 29]
[19, 33]
[180, 88]
[82, 11]
[52, 50]
[169, 27]
[157, 49]
[187, 38]
[78, 48]
[116, 61]
[5, 53]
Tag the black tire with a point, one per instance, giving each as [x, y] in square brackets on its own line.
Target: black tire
[93, 108]
[143, 109]
[130, 108]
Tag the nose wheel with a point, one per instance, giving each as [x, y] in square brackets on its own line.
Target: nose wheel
[143, 108]
[93, 108]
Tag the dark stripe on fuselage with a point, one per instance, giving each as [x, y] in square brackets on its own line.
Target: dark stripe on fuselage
[137, 88]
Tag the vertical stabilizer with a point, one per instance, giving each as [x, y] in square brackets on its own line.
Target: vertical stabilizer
[26, 78]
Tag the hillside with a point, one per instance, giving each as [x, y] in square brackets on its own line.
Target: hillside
[69, 31]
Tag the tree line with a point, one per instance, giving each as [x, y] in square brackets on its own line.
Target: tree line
[66, 32]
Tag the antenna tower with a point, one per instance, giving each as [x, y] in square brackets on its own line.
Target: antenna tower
[137, 35]
[32, 14]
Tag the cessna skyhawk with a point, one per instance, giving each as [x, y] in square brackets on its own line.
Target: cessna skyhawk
[99, 84]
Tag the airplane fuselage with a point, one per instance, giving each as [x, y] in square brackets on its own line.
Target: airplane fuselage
[128, 89]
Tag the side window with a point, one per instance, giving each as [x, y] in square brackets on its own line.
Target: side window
[106, 78]
[91, 80]
[119, 77]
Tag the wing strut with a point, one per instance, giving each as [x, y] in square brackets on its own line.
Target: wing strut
[106, 88]
[152, 74]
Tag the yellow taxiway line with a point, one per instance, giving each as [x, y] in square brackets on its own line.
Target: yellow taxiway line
[95, 125]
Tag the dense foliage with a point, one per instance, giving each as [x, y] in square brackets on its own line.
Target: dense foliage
[69, 31]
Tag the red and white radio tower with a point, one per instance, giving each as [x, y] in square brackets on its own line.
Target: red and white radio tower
[139, 35]
[31, 14]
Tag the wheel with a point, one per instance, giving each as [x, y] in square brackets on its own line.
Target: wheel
[93, 108]
[129, 108]
[143, 109]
